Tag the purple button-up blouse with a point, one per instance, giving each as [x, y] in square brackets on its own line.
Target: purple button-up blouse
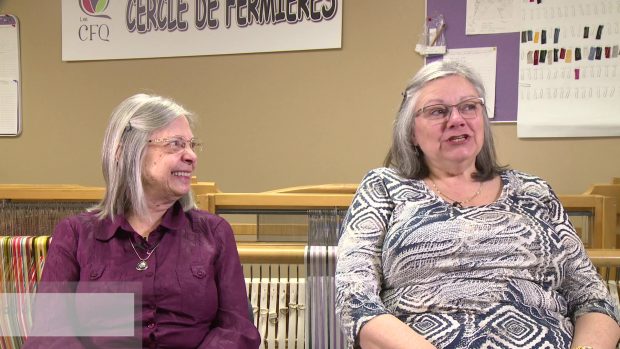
[193, 293]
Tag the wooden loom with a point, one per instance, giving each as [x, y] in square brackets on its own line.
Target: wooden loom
[610, 190]
[597, 229]
[602, 211]
[277, 271]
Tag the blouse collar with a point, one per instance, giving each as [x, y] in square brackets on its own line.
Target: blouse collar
[174, 218]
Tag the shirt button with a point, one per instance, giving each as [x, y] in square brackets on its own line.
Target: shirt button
[201, 274]
[150, 325]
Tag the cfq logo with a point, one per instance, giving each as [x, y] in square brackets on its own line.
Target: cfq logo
[94, 32]
[94, 8]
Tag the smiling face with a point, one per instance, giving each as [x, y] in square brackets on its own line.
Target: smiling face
[166, 175]
[452, 144]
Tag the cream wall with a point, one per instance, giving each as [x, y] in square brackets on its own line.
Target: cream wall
[269, 120]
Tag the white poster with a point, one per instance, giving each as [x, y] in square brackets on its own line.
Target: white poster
[569, 69]
[483, 61]
[118, 29]
[10, 114]
[492, 17]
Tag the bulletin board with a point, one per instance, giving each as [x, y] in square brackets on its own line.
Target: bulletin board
[558, 66]
[10, 110]
[507, 81]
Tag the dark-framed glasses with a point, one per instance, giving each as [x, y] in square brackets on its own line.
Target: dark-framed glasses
[178, 144]
[468, 109]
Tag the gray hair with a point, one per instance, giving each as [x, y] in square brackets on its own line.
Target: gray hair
[408, 159]
[131, 124]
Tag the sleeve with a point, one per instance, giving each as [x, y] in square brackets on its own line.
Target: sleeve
[232, 327]
[581, 286]
[60, 273]
[359, 273]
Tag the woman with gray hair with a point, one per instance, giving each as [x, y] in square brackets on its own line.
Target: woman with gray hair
[445, 248]
[147, 231]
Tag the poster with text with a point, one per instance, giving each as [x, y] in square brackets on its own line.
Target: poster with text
[121, 29]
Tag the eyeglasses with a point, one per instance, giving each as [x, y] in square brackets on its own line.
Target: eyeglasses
[178, 144]
[468, 109]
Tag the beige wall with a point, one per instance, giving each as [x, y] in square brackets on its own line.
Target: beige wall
[269, 120]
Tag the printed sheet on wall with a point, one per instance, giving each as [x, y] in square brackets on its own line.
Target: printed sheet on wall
[10, 111]
[569, 69]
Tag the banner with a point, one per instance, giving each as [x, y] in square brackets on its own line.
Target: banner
[119, 29]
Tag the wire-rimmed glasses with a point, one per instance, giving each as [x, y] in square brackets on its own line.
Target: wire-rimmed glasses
[178, 144]
[468, 109]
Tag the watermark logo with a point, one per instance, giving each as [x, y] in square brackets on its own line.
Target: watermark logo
[94, 8]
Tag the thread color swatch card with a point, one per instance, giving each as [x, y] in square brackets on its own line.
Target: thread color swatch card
[569, 69]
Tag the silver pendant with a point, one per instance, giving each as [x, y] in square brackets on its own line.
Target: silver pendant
[142, 265]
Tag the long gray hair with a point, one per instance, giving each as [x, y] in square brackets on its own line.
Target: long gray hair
[131, 124]
[408, 159]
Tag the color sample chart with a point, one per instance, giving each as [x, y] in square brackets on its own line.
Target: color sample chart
[569, 69]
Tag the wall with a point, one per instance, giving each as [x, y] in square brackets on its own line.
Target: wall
[269, 120]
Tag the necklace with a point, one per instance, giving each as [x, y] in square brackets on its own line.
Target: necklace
[142, 264]
[455, 203]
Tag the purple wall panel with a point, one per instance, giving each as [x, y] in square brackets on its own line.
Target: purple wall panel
[507, 75]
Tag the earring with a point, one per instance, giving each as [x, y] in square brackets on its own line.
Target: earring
[416, 151]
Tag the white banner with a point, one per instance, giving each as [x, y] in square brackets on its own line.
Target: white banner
[118, 29]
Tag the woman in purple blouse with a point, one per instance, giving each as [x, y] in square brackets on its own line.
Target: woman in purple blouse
[147, 235]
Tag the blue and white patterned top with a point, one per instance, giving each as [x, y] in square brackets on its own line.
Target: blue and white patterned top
[511, 274]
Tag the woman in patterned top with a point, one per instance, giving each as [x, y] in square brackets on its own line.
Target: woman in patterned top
[447, 249]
